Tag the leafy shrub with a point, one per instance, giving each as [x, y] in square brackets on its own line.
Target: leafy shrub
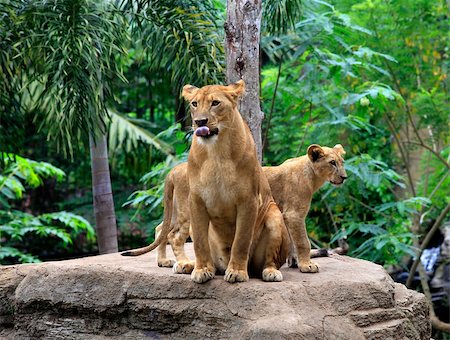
[17, 225]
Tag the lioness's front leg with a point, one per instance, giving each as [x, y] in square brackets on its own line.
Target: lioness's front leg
[245, 224]
[272, 247]
[204, 268]
[297, 230]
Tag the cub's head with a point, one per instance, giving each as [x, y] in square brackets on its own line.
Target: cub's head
[212, 107]
[328, 163]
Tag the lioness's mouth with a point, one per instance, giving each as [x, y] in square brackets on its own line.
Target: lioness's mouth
[205, 132]
[336, 183]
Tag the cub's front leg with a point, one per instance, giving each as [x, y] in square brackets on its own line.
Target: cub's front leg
[204, 269]
[162, 259]
[301, 247]
[177, 240]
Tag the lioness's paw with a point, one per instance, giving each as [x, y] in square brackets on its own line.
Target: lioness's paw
[308, 267]
[232, 275]
[292, 261]
[183, 267]
[272, 275]
[166, 263]
[202, 275]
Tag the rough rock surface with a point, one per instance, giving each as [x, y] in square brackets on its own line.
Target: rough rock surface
[111, 296]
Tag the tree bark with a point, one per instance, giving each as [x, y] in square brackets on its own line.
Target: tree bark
[105, 217]
[242, 30]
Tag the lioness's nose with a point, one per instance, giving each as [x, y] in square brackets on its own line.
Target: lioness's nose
[201, 122]
[344, 177]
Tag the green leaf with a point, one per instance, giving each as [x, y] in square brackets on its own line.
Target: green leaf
[124, 135]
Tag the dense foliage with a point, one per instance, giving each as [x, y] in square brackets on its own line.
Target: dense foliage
[339, 90]
[371, 75]
[19, 229]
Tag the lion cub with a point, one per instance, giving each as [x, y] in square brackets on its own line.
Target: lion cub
[236, 226]
[293, 184]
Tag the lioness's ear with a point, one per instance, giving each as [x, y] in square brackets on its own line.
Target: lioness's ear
[315, 152]
[189, 92]
[238, 88]
[340, 149]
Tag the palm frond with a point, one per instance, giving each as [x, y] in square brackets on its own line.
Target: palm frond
[125, 134]
[10, 73]
[181, 37]
[73, 44]
[280, 16]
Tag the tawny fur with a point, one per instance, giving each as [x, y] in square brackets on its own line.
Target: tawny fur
[236, 226]
[175, 225]
[293, 184]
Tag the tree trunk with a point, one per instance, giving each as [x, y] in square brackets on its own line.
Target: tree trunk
[105, 217]
[242, 29]
[180, 113]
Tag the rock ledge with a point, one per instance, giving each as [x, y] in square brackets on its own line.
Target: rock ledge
[111, 296]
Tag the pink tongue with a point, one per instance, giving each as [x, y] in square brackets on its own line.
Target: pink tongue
[202, 131]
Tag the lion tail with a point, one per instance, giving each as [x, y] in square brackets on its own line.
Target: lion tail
[166, 225]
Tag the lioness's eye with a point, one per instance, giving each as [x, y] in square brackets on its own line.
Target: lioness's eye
[215, 103]
[333, 162]
[194, 104]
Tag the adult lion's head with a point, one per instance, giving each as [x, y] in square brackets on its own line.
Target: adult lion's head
[212, 107]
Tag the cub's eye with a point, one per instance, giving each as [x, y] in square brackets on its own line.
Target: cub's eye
[215, 103]
[333, 162]
[194, 104]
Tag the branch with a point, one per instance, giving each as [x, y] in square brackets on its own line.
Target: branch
[408, 110]
[409, 114]
[427, 176]
[437, 324]
[343, 245]
[402, 153]
[425, 242]
[306, 130]
[369, 207]
[438, 185]
[432, 151]
[422, 215]
[272, 105]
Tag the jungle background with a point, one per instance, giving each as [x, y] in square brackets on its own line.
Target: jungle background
[371, 75]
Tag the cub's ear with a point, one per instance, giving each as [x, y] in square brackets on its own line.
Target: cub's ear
[237, 88]
[315, 152]
[189, 92]
[340, 149]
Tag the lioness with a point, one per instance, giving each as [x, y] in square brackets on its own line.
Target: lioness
[236, 225]
[292, 183]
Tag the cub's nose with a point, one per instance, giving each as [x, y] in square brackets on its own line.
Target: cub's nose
[201, 122]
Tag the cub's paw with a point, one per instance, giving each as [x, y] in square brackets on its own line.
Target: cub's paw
[202, 275]
[183, 267]
[308, 267]
[272, 275]
[232, 275]
[292, 261]
[166, 263]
